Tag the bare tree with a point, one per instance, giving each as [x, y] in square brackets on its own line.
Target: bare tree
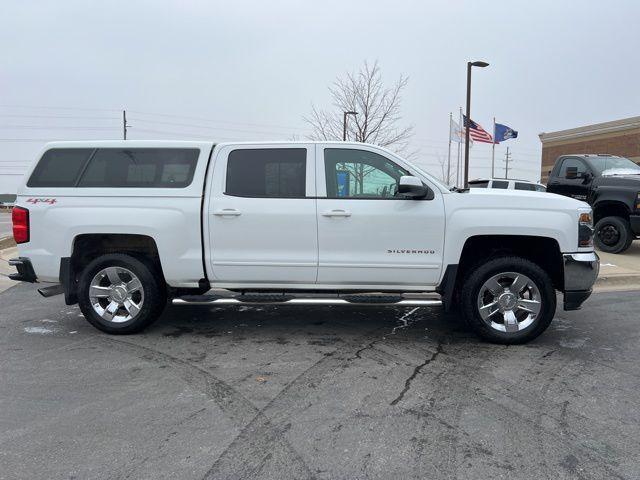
[378, 111]
[377, 120]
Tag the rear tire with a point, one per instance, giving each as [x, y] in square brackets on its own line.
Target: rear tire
[120, 294]
[613, 234]
[508, 300]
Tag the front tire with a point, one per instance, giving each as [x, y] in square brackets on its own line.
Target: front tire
[120, 294]
[613, 234]
[508, 300]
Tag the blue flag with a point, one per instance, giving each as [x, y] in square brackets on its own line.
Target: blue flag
[503, 133]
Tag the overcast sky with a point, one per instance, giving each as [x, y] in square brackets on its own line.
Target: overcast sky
[251, 69]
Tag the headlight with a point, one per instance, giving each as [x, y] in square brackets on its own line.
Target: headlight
[585, 230]
[637, 201]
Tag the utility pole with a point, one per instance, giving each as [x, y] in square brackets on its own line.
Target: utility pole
[507, 157]
[124, 124]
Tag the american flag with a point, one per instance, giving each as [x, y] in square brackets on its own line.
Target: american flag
[476, 132]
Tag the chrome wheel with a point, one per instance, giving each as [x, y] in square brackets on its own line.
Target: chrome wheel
[509, 302]
[116, 294]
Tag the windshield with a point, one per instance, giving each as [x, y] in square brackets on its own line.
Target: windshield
[604, 163]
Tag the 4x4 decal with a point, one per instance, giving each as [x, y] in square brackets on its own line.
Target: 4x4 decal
[35, 201]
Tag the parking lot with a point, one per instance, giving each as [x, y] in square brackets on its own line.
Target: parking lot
[328, 392]
[5, 223]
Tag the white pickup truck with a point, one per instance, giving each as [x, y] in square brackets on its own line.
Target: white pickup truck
[124, 227]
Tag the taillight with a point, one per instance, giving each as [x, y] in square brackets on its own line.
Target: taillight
[20, 219]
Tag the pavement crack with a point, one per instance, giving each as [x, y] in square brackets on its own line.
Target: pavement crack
[369, 346]
[416, 371]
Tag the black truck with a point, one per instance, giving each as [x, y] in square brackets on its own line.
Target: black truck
[611, 185]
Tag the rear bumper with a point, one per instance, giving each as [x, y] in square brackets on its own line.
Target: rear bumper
[580, 273]
[634, 220]
[25, 270]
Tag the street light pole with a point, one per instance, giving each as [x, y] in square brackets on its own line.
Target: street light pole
[468, 117]
[344, 124]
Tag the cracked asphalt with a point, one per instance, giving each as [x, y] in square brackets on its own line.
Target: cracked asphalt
[325, 392]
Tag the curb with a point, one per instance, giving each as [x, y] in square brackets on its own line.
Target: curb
[629, 281]
[7, 242]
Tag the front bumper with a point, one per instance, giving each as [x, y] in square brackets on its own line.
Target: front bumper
[580, 273]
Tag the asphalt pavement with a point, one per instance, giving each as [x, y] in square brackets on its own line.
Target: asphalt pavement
[325, 392]
[5, 224]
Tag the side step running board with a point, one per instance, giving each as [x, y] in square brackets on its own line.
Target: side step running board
[213, 300]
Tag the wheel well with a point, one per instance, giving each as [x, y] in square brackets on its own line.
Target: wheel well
[543, 251]
[87, 247]
[610, 209]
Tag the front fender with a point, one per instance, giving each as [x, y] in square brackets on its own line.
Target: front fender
[464, 224]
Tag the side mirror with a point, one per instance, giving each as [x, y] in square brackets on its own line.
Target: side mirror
[572, 173]
[412, 187]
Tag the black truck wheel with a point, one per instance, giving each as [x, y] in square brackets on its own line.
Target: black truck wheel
[120, 294]
[508, 300]
[613, 234]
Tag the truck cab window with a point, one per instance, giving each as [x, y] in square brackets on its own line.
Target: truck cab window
[352, 173]
[267, 172]
[500, 184]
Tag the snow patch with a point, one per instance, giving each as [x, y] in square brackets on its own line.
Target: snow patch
[46, 320]
[405, 321]
[40, 330]
[573, 343]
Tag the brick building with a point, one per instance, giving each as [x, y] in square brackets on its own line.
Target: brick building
[620, 137]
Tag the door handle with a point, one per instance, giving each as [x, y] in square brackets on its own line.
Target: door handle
[227, 212]
[336, 213]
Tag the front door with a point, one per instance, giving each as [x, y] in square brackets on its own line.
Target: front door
[262, 215]
[368, 235]
[576, 187]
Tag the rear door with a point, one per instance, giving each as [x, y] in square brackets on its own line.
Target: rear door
[368, 235]
[262, 215]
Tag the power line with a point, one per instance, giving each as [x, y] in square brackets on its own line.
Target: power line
[73, 117]
[52, 127]
[27, 140]
[225, 122]
[47, 107]
[208, 127]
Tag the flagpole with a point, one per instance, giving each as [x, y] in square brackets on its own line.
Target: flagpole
[458, 166]
[449, 155]
[493, 148]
